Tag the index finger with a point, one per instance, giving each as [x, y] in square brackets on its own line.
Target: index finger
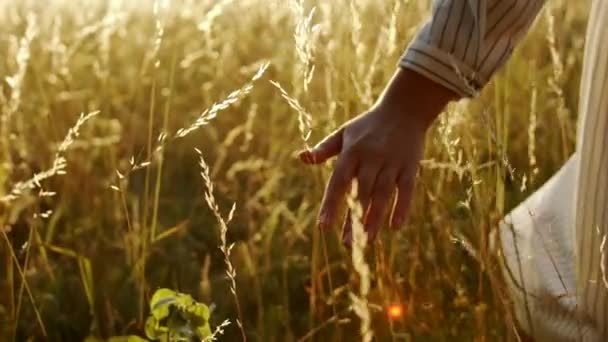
[336, 189]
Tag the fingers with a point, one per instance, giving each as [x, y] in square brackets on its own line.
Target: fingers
[380, 201]
[405, 189]
[338, 185]
[327, 148]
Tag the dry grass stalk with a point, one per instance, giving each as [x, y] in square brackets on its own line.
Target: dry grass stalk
[304, 118]
[15, 82]
[86, 33]
[219, 331]
[392, 31]
[211, 113]
[215, 12]
[304, 36]
[58, 167]
[159, 5]
[204, 118]
[13, 259]
[224, 247]
[556, 83]
[359, 301]
[9, 107]
[356, 28]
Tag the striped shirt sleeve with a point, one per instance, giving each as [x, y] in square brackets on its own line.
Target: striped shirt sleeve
[466, 41]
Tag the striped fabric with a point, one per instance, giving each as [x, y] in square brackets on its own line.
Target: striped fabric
[553, 243]
[466, 41]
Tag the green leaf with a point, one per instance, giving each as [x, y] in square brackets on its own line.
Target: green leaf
[161, 302]
[184, 300]
[86, 277]
[203, 331]
[150, 328]
[199, 310]
[176, 316]
[154, 330]
[200, 317]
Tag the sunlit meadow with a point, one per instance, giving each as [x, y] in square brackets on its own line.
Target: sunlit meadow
[151, 144]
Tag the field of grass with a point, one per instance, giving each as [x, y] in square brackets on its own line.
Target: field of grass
[100, 210]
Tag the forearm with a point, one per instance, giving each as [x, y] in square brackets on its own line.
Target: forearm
[415, 97]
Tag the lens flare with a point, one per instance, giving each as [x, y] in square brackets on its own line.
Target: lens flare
[395, 311]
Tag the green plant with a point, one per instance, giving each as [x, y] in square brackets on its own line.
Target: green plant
[173, 317]
[176, 316]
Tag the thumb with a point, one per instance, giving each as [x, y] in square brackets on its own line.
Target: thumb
[327, 148]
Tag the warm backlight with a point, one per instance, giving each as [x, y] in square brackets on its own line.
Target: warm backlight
[395, 311]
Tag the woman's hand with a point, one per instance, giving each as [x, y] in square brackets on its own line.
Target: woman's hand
[381, 149]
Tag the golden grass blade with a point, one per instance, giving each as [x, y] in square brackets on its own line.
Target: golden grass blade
[224, 247]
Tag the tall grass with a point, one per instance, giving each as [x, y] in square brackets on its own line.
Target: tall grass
[81, 253]
[224, 247]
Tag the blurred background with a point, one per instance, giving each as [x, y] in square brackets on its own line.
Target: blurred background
[100, 210]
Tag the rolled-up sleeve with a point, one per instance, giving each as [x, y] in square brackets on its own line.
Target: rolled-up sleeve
[466, 41]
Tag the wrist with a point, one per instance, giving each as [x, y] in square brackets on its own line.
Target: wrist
[415, 98]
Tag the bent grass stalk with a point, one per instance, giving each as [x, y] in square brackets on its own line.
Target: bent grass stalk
[203, 119]
[305, 127]
[209, 114]
[304, 118]
[58, 166]
[224, 247]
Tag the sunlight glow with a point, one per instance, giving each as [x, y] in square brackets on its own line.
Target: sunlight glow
[395, 311]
